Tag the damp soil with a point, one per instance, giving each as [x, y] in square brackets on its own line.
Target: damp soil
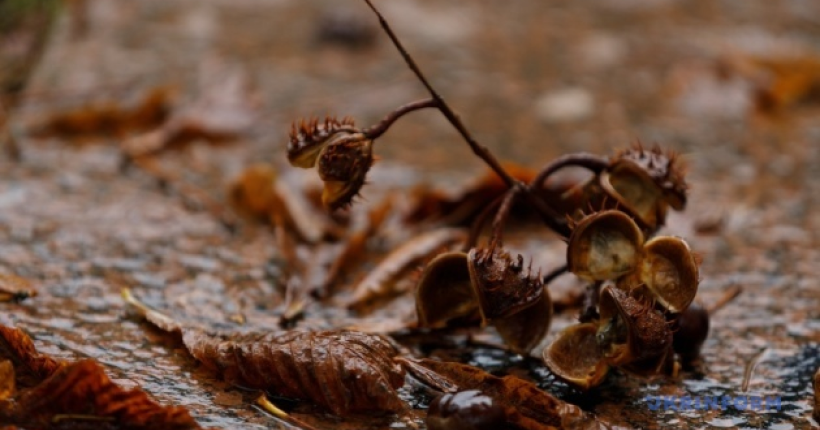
[621, 71]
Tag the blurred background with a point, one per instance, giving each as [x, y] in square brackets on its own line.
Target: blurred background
[732, 85]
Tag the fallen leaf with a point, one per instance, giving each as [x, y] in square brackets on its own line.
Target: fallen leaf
[342, 371]
[108, 118]
[31, 367]
[435, 205]
[82, 393]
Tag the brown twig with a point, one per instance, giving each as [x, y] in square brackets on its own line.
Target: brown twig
[592, 162]
[479, 150]
[380, 128]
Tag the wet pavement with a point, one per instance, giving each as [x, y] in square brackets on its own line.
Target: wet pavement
[532, 80]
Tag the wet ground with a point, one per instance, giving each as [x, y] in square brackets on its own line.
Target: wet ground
[531, 79]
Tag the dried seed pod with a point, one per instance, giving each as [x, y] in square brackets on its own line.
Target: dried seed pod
[633, 190]
[309, 138]
[692, 331]
[670, 271]
[445, 291]
[503, 286]
[630, 331]
[665, 170]
[343, 371]
[523, 330]
[343, 165]
[465, 410]
[380, 281]
[604, 245]
[576, 357]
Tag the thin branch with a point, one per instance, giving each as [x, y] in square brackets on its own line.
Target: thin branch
[380, 128]
[481, 151]
[595, 163]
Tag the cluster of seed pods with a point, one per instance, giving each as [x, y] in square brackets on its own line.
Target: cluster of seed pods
[637, 313]
[641, 287]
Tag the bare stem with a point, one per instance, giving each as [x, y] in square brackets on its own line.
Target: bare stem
[594, 163]
[479, 150]
[380, 128]
[502, 214]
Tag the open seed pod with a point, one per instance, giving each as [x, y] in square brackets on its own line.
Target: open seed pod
[445, 291]
[576, 358]
[603, 246]
[632, 189]
[669, 270]
[665, 170]
[523, 330]
[503, 286]
[630, 331]
[309, 138]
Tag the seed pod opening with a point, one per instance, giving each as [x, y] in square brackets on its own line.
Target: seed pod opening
[444, 291]
[664, 168]
[634, 190]
[309, 138]
[630, 331]
[523, 330]
[576, 358]
[502, 285]
[669, 270]
[604, 246]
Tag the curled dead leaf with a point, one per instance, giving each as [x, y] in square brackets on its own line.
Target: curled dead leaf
[81, 392]
[30, 366]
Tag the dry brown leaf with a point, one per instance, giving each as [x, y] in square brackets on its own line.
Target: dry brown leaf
[81, 395]
[525, 406]
[224, 110]
[379, 282]
[8, 385]
[109, 118]
[355, 247]
[31, 367]
[435, 205]
[342, 371]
